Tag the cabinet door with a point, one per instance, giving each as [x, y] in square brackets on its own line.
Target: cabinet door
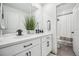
[12, 50]
[24, 53]
[44, 49]
[49, 48]
[49, 44]
[36, 51]
[46, 46]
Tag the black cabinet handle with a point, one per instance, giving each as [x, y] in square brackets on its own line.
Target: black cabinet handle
[47, 43]
[29, 53]
[72, 32]
[27, 45]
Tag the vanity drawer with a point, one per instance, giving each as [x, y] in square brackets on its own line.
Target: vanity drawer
[12, 50]
[34, 51]
[48, 37]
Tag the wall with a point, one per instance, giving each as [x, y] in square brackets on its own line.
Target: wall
[38, 15]
[14, 19]
[64, 25]
[43, 14]
[49, 13]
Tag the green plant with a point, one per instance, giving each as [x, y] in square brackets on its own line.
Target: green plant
[30, 23]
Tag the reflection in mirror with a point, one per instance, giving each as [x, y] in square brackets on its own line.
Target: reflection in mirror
[3, 21]
[0, 18]
[13, 16]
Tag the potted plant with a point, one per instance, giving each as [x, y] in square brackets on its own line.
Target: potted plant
[30, 24]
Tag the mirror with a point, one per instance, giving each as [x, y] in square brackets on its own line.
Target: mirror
[12, 16]
[0, 18]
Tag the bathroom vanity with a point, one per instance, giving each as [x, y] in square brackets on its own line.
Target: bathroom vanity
[26, 45]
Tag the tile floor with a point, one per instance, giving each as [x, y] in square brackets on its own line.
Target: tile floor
[65, 51]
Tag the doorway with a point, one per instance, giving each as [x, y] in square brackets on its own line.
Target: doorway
[65, 29]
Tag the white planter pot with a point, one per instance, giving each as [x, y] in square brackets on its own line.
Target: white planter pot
[30, 31]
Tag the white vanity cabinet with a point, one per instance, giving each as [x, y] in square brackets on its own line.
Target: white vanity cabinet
[46, 45]
[36, 46]
[15, 49]
[36, 51]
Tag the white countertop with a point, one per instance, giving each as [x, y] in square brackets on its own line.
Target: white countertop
[11, 39]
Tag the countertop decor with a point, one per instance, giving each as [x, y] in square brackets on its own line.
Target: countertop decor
[30, 24]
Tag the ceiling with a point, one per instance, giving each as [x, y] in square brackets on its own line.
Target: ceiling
[27, 7]
[65, 7]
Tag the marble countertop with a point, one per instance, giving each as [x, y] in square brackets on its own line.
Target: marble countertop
[12, 39]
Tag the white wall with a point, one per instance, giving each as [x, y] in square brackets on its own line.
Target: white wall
[14, 18]
[38, 15]
[49, 13]
[44, 13]
[65, 25]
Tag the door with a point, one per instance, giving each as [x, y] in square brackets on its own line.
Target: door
[76, 31]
